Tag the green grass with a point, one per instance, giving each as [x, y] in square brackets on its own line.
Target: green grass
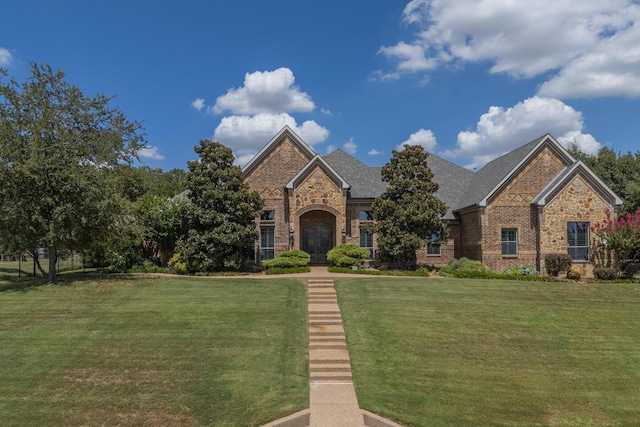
[443, 352]
[152, 351]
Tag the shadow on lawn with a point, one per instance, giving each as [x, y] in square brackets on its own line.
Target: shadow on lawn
[26, 284]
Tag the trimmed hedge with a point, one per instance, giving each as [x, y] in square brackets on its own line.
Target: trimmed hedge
[417, 273]
[347, 255]
[292, 270]
[288, 260]
[555, 264]
[605, 273]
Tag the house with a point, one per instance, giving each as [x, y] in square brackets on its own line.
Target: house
[533, 201]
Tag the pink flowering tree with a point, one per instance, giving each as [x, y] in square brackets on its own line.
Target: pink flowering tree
[622, 237]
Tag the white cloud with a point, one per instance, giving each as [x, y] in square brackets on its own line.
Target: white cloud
[198, 104]
[5, 57]
[422, 137]
[330, 149]
[501, 130]
[350, 146]
[411, 57]
[373, 152]
[592, 44]
[150, 152]
[611, 68]
[246, 135]
[265, 92]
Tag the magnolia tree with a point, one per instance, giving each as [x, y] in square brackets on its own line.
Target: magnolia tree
[622, 237]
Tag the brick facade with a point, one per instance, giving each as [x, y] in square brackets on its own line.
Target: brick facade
[534, 203]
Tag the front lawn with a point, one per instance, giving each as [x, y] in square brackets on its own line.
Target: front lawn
[442, 352]
[149, 351]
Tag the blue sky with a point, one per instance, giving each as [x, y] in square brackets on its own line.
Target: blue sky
[467, 79]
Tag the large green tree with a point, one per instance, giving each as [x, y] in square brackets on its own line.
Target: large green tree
[58, 152]
[221, 213]
[407, 214]
[621, 172]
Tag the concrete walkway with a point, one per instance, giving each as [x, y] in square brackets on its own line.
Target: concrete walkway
[332, 397]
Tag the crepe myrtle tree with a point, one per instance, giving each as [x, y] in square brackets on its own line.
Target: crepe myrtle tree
[58, 150]
[408, 214]
[220, 218]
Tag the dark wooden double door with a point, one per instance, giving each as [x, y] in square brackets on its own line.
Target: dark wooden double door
[317, 241]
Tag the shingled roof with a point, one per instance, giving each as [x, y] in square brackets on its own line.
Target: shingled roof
[366, 183]
[493, 175]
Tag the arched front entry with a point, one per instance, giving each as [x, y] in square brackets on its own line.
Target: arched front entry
[318, 234]
[317, 241]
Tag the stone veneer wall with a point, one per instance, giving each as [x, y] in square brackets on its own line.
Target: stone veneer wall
[317, 192]
[578, 201]
[269, 179]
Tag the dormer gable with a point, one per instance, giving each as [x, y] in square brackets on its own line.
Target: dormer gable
[565, 176]
[317, 161]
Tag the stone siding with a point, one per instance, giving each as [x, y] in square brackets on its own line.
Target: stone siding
[317, 191]
[578, 201]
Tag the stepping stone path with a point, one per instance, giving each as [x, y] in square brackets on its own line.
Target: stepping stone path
[332, 397]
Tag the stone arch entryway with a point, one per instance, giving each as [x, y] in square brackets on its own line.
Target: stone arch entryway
[318, 234]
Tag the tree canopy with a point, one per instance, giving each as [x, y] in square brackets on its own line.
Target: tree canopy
[58, 152]
[621, 172]
[220, 220]
[407, 214]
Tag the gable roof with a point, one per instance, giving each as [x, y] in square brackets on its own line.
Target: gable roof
[495, 174]
[578, 168]
[284, 132]
[318, 161]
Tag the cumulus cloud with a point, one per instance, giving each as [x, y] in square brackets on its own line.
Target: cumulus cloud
[265, 92]
[501, 130]
[198, 104]
[150, 152]
[422, 137]
[350, 146]
[373, 152]
[592, 45]
[247, 134]
[5, 57]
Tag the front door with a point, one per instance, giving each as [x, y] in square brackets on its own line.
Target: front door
[317, 241]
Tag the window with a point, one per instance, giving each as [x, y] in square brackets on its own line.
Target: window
[365, 215]
[509, 241]
[433, 246]
[578, 240]
[366, 241]
[267, 243]
[268, 215]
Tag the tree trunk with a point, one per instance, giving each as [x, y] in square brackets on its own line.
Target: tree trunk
[52, 264]
[36, 263]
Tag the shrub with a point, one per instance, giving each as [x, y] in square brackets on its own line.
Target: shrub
[347, 255]
[605, 273]
[525, 270]
[178, 264]
[288, 259]
[289, 270]
[463, 265]
[557, 263]
[574, 274]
